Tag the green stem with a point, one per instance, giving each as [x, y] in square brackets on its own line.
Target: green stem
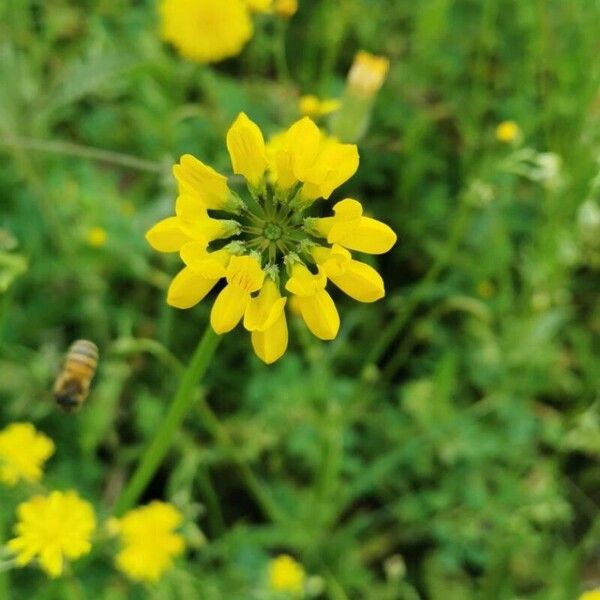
[70, 149]
[216, 521]
[279, 52]
[180, 405]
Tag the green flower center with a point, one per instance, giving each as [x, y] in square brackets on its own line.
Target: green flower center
[273, 226]
[272, 231]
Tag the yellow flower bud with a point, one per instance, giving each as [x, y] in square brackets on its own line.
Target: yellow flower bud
[508, 132]
[246, 148]
[367, 74]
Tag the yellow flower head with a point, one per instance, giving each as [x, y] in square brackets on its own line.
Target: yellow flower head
[286, 8]
[53, 528]
[286, 575]
[367, 74]
[277, 247]
[206, 30]
[23, 452]
[310, 106]
[96, 237]
[148, 540]
[508, 132]
[590, 595]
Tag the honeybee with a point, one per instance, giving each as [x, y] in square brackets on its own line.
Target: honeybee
[73, 382]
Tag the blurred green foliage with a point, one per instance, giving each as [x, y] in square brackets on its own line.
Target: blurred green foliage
[446, 444]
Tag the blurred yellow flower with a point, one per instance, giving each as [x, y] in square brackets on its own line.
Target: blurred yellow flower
[590, 595]
[508, 132]
[23, 452]
[277, 246]
[53, 528]
[260, 6]
[206, 30]
[149, 541]
[286, 575]
[286, 8]
[96, 237]
[367, 74]
[485, 289]
[310, 105]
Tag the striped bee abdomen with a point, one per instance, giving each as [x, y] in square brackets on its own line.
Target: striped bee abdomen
[73, 382]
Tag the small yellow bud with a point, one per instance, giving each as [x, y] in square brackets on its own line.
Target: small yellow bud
[96, 237]
[286, 575]
[286, 8]
[368, 73]
[508, 132]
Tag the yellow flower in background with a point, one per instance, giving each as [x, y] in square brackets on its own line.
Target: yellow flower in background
[274, 247]
[286, 8]
[286, 575]
[53, 528]
[206, 30]
[367, 74]
[508, 132]
[310, 105]
[96, 237]
[260, 6]
[149, 542]
[590, 595]
[23, 452]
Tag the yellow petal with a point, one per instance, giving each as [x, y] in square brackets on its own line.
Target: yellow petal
[368, 235]
[303, 282]
[190, 208]
[167, 235]
[334, 165]
[303, 139]
[320, 314]
[271, 344]
[311, 106]
[228, 308]
[51, 561]
[246, 148]
[297, 152]
[194, 252]
[195, 222]
[264, 310]
[348, 209]
[188, 288]
[211, 265]
[245, 272]
[202, 182]
[334, 261]
[360, 281]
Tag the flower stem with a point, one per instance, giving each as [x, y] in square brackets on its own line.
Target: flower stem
[182, 401]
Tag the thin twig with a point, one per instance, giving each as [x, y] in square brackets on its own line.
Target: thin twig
[70, 149]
